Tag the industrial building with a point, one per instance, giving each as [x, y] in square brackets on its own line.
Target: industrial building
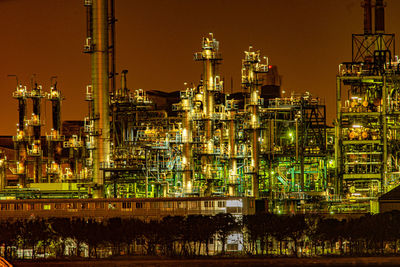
[366, 130]
[205, 142]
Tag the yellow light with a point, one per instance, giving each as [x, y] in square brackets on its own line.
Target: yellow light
[184, 135]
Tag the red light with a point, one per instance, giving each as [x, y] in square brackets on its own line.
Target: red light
[269, 67]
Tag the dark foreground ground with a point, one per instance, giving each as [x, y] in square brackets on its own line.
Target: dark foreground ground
[146, 262]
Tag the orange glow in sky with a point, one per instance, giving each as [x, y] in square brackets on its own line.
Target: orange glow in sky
[156, 39]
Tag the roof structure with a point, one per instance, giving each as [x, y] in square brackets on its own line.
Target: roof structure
[393, 194]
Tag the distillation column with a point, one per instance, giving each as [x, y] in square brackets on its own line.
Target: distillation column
[20, 138]
[251, 67]
[211, 84]
[54, 139]
[36, 94]
[232, 190]
[187, 143]
[100, 79]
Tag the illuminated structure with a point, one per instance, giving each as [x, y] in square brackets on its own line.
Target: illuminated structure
[204, 142]
[98, 47]
[367, 139]
[295, 148]
[251, 67]
[55, 140]
[209, 144]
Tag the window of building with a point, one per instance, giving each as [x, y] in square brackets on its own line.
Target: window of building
[209, 204]
[126, 205]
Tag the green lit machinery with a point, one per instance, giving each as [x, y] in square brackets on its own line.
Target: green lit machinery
[203, 141]
[367, 138]
[213, 143]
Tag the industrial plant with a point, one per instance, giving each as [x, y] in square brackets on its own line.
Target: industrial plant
[208, 142]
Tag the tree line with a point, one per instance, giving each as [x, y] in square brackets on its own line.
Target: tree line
[193, 235]
[170, 236]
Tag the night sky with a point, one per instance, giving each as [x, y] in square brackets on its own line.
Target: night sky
[156, 39]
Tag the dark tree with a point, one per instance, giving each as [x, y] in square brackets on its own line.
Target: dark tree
[225, 224]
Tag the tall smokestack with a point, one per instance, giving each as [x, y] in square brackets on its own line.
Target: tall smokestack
[367, 17]
[100, 72]
[379, 17]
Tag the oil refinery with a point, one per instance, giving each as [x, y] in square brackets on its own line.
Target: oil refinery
[206, 141]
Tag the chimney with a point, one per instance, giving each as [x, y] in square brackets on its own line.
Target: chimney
[379, 17]
[367, 17]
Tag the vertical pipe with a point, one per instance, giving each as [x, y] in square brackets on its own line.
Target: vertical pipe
[254, 96]
[367, 17]
[209, 86]
[250, 69]
[146, 182]
[56, 115]
[3, 180]
[55, 98]
[208, 54]
[112, 45]
[232, 155]
[254, 131]
[124, 86]
[36, 112]
[187, 150]
[255, 161]
[20, 143]
[385, 137]
[89, 21]
[100, 75]
[303, 136]
[379, 17]
[338, 130]
[21, 113]
[37, 131]
[270, 153]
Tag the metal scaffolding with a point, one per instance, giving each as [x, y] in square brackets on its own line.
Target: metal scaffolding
[202, 141]
[367, 114]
